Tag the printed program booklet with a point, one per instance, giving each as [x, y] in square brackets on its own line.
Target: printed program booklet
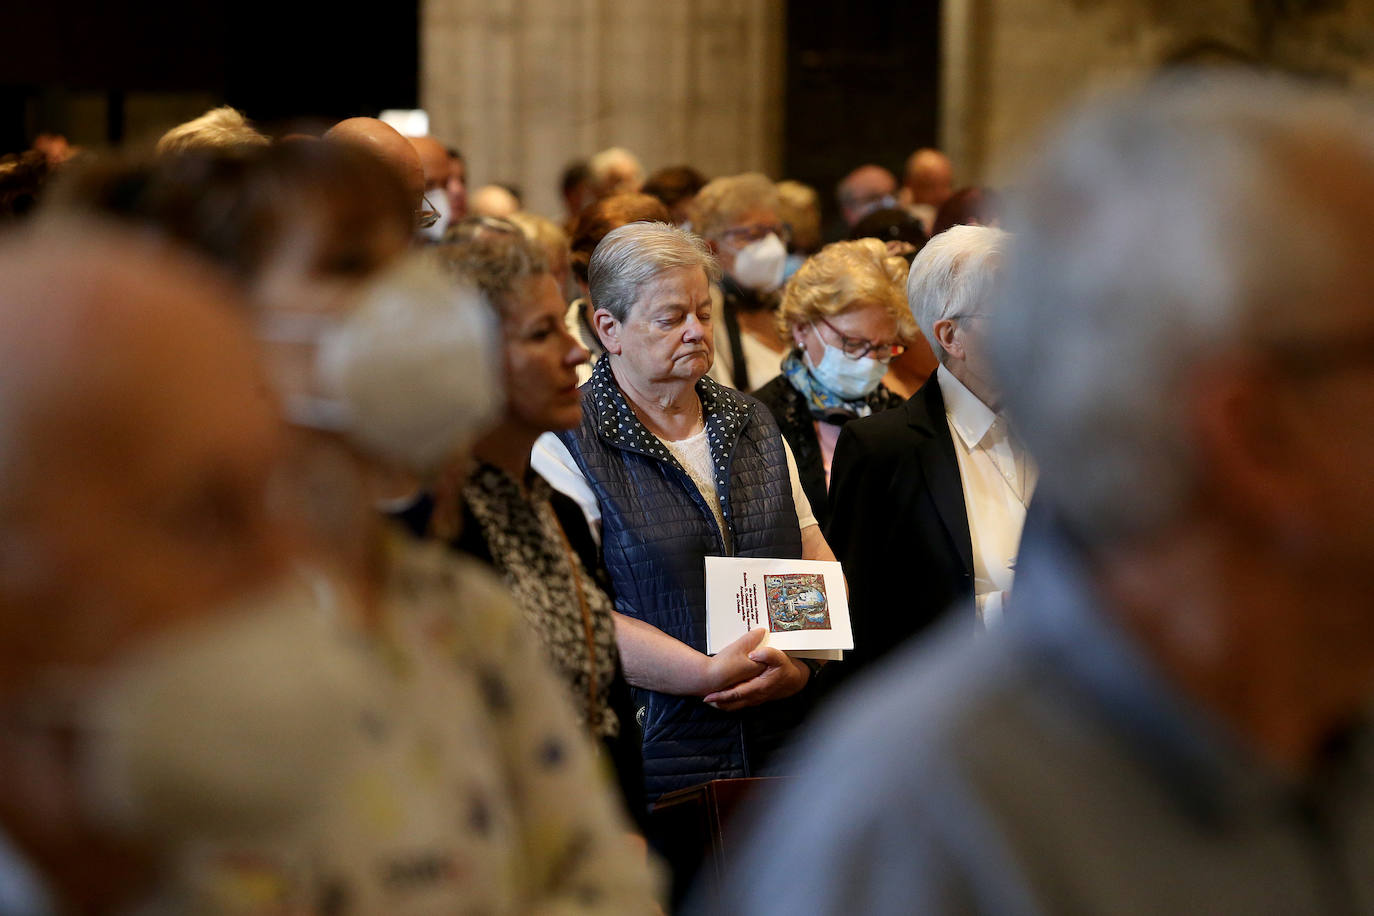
[803, 603]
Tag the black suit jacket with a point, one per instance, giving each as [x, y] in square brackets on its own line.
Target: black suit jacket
[898, 524]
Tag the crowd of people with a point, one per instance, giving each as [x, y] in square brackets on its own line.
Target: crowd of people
[353, 527]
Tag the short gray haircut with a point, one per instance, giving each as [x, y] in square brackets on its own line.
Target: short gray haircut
[1160, 227]
[633, 256]
[954, 275]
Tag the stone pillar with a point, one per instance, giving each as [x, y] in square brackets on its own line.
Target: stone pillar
[525, 86]
[1010, 65]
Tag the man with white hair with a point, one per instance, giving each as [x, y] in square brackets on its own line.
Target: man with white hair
[928, 499]
[1175, 716]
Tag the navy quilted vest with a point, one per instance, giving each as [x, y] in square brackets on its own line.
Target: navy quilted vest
[656, 531]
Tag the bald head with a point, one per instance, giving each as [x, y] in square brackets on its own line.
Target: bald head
[928, 177]
[493, 200]
[135, 449]
[434, 160]
[864, 190]
[387, 144]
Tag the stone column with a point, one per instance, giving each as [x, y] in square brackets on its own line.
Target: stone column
[525, 86]
[1010, 65]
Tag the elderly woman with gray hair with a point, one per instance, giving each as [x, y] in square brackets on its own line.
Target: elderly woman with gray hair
[673, 467]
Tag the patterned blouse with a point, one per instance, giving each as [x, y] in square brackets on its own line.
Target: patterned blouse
[475, 792]
[560, 601]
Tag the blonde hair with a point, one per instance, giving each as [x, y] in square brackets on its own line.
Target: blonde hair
[800, 208]
[842, 274]
[218, 128]
[718, 206]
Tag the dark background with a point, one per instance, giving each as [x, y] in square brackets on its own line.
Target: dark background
[64, 61]
[861, 82]
[862, 86]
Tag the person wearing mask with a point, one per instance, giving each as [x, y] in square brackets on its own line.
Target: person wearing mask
[1176, 716]
[590, 227]
[509, 517]
[474, 788]
[738, 216]
[152, 702]
[845, 313]
[670, 467]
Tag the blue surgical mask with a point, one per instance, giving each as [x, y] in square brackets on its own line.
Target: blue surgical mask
[851, 379]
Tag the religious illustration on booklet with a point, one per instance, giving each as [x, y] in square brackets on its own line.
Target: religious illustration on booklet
[796, 601]
[802, 603]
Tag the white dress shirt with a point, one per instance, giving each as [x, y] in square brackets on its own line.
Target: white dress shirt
[998, 476]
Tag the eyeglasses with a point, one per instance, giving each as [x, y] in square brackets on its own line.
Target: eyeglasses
[748, 234]
[859, 348]
[426, 216]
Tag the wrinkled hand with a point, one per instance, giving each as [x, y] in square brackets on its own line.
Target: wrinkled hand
[733, 664]
[781, 677]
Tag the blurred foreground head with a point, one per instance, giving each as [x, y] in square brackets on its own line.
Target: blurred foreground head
[137, 443]
[150, 691]
[1189, 325]
[362, 338]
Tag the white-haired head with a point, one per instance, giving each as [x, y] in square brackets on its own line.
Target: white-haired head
[632, 257]
[1159, 230]
[953, 277]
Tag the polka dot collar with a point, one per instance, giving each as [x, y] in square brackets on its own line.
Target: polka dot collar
[726, 413]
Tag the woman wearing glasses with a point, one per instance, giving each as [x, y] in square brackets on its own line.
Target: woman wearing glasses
[846, 316]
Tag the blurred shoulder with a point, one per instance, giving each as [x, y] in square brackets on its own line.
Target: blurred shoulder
[432, 578]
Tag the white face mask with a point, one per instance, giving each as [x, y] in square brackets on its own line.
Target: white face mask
[230, 727]
[410, 374]
[759, 265]
[845, 376]
[440, 202]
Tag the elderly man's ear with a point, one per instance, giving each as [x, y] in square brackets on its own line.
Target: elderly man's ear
[946, 332]
[1250, 455]
[608, 329]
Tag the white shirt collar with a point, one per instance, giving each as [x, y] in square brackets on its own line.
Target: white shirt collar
[968, 415]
